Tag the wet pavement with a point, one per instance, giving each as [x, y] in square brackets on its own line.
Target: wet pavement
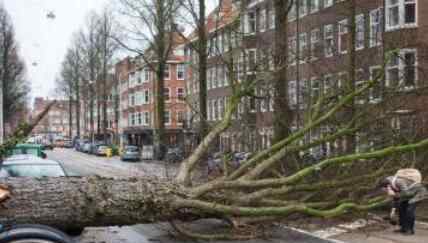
[77, 163]
[163, 233]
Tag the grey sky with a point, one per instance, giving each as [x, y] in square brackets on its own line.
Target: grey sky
[44, 41]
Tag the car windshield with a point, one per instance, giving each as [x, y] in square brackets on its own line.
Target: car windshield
[132, 149]
[32, 151]
[33, 170]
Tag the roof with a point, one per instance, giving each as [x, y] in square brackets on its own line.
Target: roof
[221, 16]
[28, 159]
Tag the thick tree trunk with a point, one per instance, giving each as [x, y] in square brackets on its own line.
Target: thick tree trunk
[70, 203]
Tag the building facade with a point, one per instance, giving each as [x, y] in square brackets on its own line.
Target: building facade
[136, 95]
[57, 122]
[390, 46]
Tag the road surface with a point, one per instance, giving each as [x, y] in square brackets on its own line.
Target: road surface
[77, 163]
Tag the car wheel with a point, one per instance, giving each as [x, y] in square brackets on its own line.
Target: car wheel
[30, 233]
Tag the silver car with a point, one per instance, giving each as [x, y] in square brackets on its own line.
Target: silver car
[26, 165]
[131, 153]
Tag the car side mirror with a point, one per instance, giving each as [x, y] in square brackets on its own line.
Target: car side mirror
[44, 156]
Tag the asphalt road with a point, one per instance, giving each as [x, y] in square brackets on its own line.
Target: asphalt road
[81, 164]
[76, 163]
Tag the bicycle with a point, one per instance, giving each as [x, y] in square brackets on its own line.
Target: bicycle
[32, 233]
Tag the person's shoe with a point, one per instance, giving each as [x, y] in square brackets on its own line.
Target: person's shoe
[409, 232]
[399, 231]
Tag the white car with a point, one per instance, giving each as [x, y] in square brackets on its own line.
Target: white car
[25, 165]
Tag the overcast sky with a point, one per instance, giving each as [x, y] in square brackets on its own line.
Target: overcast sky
[44, 41]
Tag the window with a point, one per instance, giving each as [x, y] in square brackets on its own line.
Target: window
[252, 60]
[133, 100]
[146, 120]
[292, 13]
[181, 72]
[400, 13]
[220, 108]
[251, 23]
[209, 110]
[140, 118]
[359, 42]
[180, 94]
[292, 47]
[328, 40]
[376, 90]
[181, 117]
[271, 18]
[133, 119]
[146, 75]
[375, 27]
[405, 65]
[146, 96]
[314, 6]
[328, 85]
[167, 74]
[393, 71]
[262, 20]
[303, 46]
[315, 43]
[343, 36]
[292, 93]
[215, 110]
[409, 62]
[167, 117]
[328, 3]
[303, 8]
[315, 87]
[166, 94]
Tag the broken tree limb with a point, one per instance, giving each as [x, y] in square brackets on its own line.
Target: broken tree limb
[71, 203]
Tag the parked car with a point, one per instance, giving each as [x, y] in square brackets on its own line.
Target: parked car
[68, 144]
[86, 148]
[102, 150]
[94, 147]
[26, 165]
[174, 155]
[25, 148]
[132, 153]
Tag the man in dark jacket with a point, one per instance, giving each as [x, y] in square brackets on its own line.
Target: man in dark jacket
[406, 194]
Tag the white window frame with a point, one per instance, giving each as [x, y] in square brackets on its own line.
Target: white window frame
[167, 68]
[376, 17]
[342, 30]
[329, 37]
[372, 99]
[315, 41]
[303, 46]
[181, 68]
[169, 95]
[167, 122]
[328, 3]
[360, 33]
[263, 20]
[401, 5]
[314, 6]
[183, 94]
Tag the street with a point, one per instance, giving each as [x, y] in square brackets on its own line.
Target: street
[81, 164]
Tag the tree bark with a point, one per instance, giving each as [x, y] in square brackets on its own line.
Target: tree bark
[71, 203]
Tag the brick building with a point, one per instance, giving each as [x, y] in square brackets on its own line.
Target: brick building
[318, 63]
[56, 122]
[136, 95]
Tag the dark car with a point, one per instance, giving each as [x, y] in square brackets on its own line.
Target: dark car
[26, 165]
[86, 147]
[174, 155]
[131, 153]
[68, 144]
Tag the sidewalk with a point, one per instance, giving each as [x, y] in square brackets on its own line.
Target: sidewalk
[383, 233]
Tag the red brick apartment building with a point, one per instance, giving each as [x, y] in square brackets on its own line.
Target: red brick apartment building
[318, 63]
[56, 122]
[136, 87]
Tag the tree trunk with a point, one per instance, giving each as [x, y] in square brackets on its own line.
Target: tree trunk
[72, 203]
[202, 72]
[77, 104]
[70, 117]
